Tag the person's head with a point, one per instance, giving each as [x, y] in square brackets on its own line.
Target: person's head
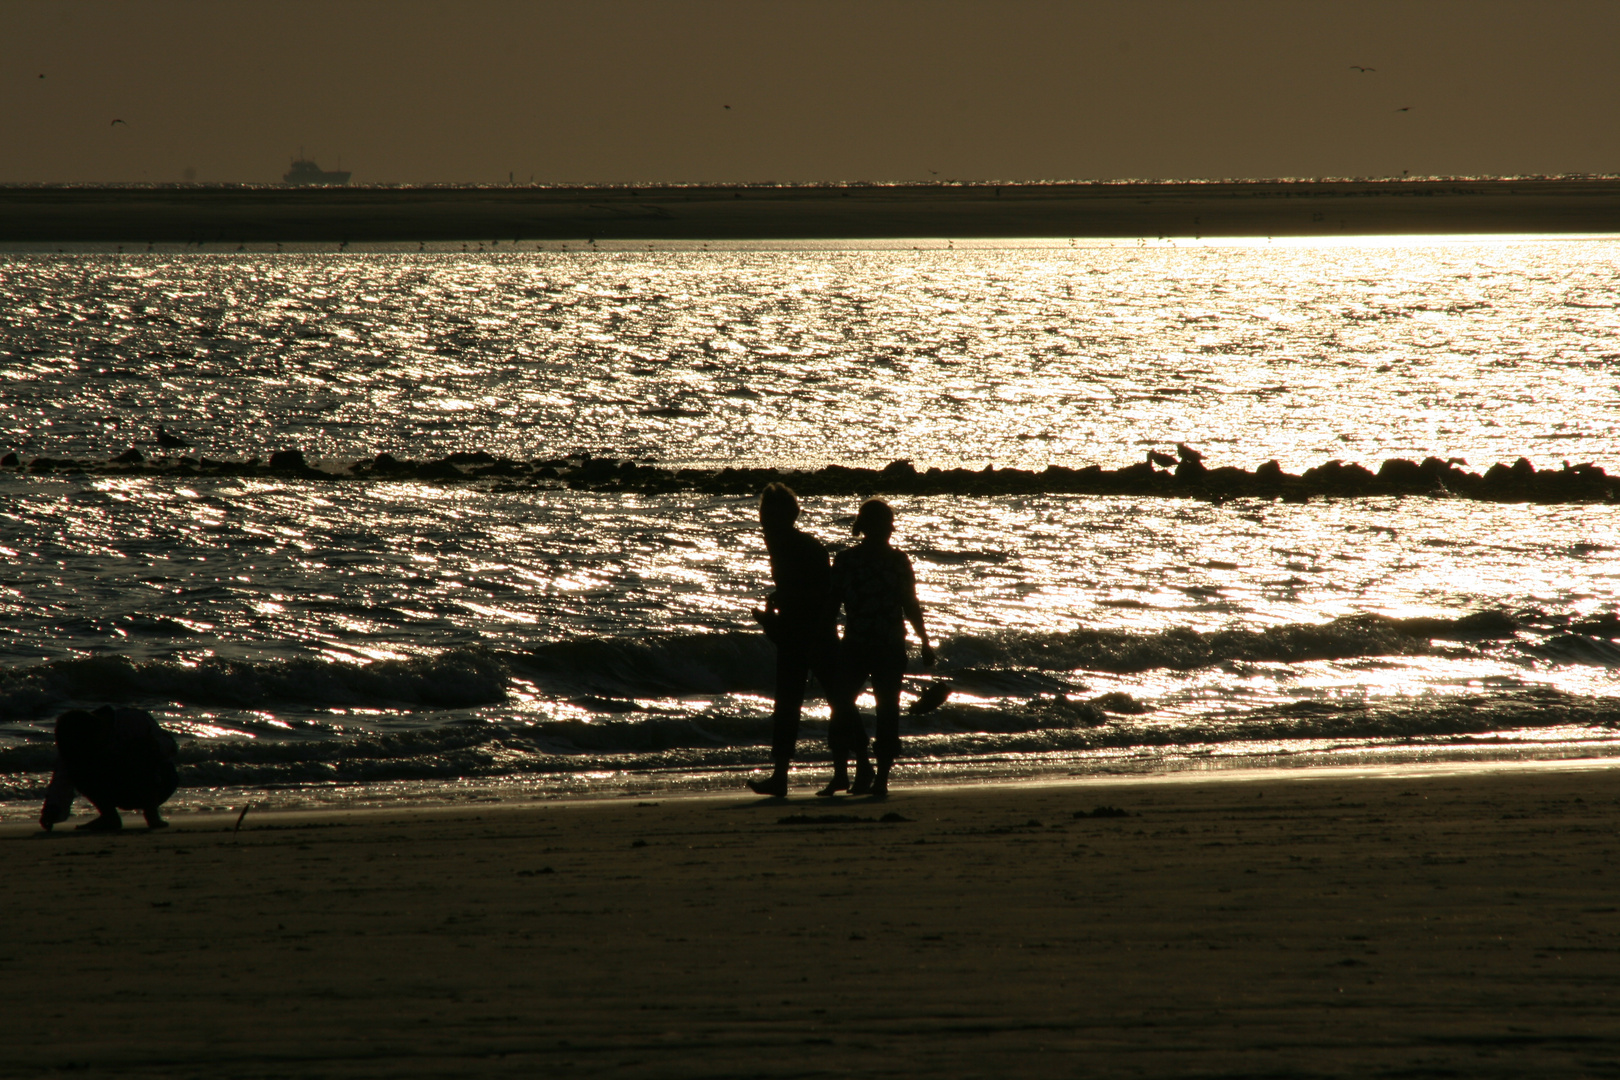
[874, 520]
[778, 506]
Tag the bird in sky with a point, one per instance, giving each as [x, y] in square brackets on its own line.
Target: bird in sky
[1363, 70]
[115, 123]
[1404, 108]
[727, 106]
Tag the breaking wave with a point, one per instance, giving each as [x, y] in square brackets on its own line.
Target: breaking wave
[677, 665]
[454, 679]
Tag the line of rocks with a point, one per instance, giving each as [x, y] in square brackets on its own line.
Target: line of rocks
[1161, 475]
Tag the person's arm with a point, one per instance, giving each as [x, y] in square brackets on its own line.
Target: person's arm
[914, 615]
[58, 799]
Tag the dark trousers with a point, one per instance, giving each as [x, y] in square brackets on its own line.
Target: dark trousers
[885, 666]
[797, 658]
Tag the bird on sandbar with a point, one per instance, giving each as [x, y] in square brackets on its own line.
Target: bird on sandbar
[170, 440]
[1164, 461]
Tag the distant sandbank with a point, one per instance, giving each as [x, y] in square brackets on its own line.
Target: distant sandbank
[270, 215]
[1298, 924]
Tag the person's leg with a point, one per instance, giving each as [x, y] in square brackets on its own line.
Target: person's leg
[846, 735]
[792, 672]
[887, 674]
[160, 782]
[97, 790]
[84, 747]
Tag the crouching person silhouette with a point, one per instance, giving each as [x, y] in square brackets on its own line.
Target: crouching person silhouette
[116, 758]
[800, 617]
[878, 590]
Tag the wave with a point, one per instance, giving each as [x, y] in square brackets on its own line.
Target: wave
[607, 674]
[458, 678]
[657, 666]
[1183, 649]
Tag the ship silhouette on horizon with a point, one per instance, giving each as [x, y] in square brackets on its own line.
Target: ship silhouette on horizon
[305, 172]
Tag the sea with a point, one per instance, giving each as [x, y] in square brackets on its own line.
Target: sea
[375, 642]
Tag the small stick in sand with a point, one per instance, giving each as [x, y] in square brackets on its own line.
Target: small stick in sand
[245, 808]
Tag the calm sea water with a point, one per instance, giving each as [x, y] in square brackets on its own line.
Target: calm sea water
[370, 640]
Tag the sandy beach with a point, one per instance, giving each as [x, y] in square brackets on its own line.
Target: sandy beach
[273, 214]
[1300, 924]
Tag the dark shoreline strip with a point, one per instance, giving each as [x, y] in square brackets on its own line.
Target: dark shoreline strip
[1188, 478]
[265, 215]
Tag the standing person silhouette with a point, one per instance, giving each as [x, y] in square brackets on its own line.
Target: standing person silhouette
[878, 590]
[801, 617]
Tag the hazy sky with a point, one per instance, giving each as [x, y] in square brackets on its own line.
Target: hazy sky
[637, 91]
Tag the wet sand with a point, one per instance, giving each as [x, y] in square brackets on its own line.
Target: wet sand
[1298, 925]
[272, 214]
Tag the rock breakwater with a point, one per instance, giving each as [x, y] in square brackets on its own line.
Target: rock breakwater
[1189, 477]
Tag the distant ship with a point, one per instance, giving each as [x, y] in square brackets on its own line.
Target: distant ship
[305, 171]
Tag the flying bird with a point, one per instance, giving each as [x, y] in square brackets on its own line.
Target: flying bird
[1363, 70]
[115, 123]
[726, 106]
[1404, 108]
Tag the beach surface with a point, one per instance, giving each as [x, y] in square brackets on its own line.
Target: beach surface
[1423, 922]
[199, 215]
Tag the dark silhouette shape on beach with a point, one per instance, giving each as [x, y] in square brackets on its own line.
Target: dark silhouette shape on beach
[171, 440]
[878, 591]
[800, 616]
[1363, 70]
[930, 699]
[116, 758]
[1164, 461]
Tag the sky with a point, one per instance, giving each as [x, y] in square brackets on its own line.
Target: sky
[686, 91]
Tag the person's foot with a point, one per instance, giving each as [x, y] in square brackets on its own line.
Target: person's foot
[880, 784]
[775, 787]
[863, 779]
[835, 785]
[154, 820]
[104, 823]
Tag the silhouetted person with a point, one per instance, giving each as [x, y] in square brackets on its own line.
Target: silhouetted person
[801, 617]
[116, 758]
[878, 590]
